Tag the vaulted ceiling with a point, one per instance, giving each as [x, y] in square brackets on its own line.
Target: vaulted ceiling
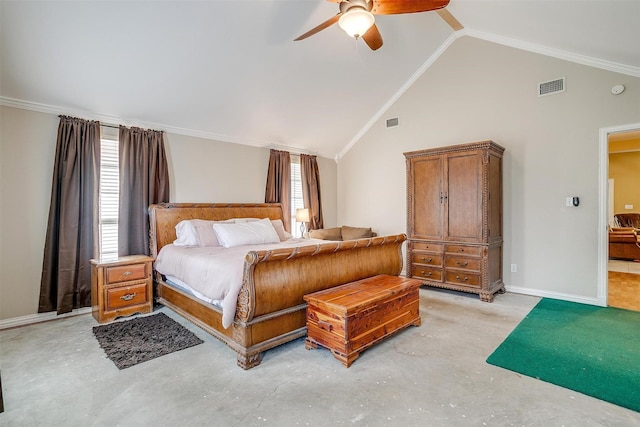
[230, 70]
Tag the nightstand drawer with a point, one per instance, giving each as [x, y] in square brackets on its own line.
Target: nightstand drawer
[125, 273]
[125, 296]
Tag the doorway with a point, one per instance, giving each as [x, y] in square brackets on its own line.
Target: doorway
[618, 280]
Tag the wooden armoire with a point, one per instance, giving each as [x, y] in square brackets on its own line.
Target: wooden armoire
[454, 217]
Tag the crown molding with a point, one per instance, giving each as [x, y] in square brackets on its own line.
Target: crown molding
[556, 53]
[114, 120]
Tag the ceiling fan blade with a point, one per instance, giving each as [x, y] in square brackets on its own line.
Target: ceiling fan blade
[450, 19]
[373, 38]
[393, 7]
[329, 22]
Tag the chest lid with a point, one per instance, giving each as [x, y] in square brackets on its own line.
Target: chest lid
[362, 294]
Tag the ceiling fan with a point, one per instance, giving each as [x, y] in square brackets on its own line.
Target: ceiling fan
[356, 17]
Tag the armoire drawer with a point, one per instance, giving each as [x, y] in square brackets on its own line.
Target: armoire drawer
[472, 264]
[463, 278]
[426, 259]
[422, 272]
[463, 250]
[428, 247]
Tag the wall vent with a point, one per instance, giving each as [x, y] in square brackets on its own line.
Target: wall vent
[551, 87]
[393, 122]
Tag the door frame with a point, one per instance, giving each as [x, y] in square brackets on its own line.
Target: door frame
[603, 207]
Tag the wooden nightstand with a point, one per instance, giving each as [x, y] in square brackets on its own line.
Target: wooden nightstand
[121, 287]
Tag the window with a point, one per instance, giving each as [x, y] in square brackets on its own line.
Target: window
[109, 193]
[296, 194]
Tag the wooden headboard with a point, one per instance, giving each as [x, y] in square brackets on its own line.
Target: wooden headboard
[163, 217]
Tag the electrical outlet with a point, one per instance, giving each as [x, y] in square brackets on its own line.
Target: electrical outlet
[514, 268]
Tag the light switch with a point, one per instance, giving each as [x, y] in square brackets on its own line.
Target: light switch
[628, 206]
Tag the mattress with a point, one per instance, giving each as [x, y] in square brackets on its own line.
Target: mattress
[213, 273]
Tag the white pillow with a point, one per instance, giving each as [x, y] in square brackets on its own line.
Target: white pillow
[196, 232]
[186, 234]
[246, 233]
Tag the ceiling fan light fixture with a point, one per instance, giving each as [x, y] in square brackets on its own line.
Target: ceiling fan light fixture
[356, 21]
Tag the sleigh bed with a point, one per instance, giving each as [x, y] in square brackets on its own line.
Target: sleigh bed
[270, 308]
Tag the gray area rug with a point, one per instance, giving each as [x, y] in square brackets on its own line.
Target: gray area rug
[134, 341]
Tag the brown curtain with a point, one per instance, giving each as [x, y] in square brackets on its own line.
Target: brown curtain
[144, 180]
[310, 175]
[72, 230]
[279, 184]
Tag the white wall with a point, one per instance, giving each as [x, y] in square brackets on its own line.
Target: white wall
[27, 150]
[479, 90]
[201, 171]
[211, 171]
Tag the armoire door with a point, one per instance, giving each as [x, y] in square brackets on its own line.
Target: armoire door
[427, 198]
[463, 202]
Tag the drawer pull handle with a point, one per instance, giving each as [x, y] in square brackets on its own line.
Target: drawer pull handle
[128, 297]
[462, 279]
[424, 259]
[425, 274]
[126, 273]
[462, 264]
[325, 325]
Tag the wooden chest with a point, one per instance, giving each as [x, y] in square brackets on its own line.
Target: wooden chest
[350, 318]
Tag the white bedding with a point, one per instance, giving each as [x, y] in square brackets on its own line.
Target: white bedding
[214, 271]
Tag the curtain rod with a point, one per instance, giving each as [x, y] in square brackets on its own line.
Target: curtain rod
[110, 125]
[291, 150]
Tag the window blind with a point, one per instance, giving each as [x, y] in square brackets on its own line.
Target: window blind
[109, 195]
[296, 194]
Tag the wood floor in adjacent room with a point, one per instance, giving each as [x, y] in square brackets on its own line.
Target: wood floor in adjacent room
[624, 285]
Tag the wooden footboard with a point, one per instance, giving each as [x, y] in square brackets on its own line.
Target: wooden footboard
[271, 308]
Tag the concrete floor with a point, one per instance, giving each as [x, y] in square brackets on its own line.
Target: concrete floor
[55, 374]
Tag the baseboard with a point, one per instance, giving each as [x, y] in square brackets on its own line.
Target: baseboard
[554, 295]
[44, 317]
[40, 317]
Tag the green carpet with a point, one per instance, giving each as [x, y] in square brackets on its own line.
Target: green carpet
[589, 349]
